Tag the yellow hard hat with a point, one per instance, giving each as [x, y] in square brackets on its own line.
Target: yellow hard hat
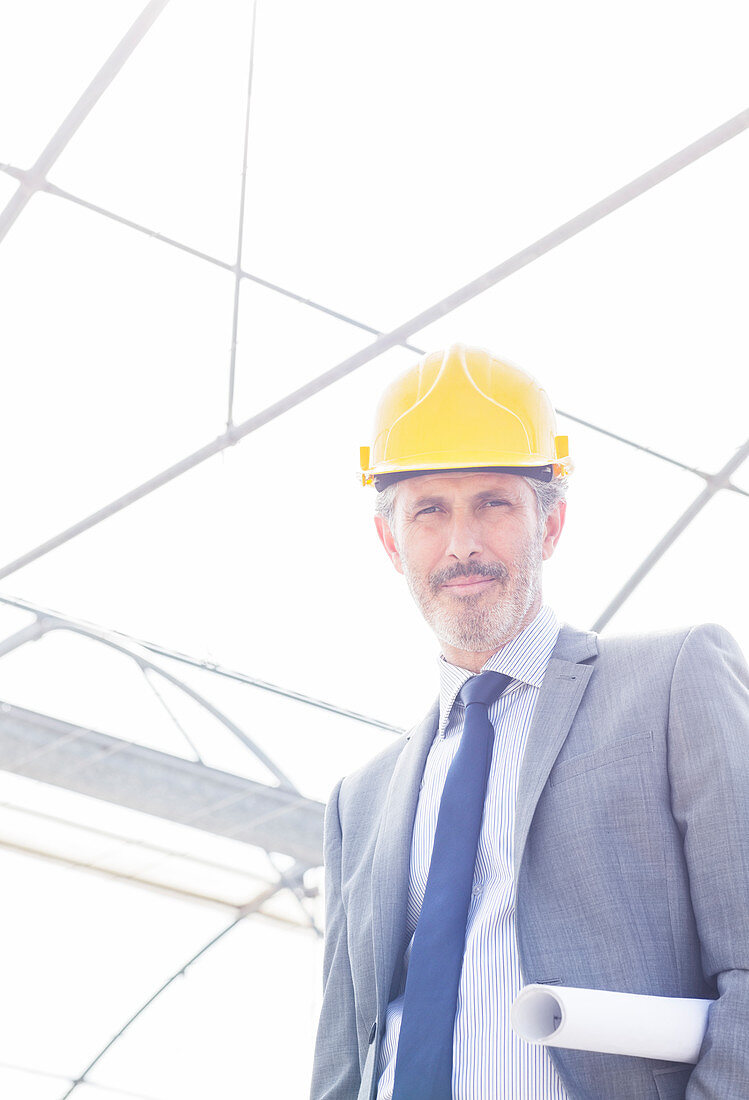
[463, 409]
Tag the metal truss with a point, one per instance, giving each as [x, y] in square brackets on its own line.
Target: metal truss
[396, 337]
[187, 792]
[273, 818]
[286, 292]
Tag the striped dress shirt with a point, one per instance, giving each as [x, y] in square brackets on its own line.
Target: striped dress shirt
[489, 1061]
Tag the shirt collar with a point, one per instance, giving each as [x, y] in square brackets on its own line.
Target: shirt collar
[525, 658]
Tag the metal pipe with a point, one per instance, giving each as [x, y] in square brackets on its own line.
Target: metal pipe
[31, 633]
[78, 113]
[715, 484]
[240, 229]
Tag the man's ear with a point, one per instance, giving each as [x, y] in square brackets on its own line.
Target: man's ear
[554, 525]
[388, 541]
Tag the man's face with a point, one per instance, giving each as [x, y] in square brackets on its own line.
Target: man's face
[470, 547]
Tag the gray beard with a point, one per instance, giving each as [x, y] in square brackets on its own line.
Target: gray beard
[468, 622]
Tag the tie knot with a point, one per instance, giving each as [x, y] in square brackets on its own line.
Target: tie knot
[484, 688]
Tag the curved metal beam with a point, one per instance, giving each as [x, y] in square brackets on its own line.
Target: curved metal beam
[295, 873]
[46, 624]
[209, 666]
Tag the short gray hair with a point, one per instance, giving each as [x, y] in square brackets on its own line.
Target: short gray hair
[548, 495]
[385, 503]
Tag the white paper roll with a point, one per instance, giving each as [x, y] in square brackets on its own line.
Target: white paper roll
[671, 1028]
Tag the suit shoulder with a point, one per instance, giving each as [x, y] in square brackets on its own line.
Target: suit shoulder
[663, 652]
[709, 648]
[667, 642]
[663, 643]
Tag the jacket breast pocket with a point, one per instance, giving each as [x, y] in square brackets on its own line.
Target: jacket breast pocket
[616, 752]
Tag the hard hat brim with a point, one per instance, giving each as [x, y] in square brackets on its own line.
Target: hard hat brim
[540, 473]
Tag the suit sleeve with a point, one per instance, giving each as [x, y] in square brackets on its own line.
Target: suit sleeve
[336, 1071]
[709, 772]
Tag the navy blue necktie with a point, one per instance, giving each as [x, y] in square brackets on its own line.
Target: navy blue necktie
[423, 1066]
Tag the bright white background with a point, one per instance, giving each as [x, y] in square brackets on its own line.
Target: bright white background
[396, 151]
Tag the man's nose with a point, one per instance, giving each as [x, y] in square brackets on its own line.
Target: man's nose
[464, 538]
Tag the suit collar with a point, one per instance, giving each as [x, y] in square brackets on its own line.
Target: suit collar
[575, 645]
[525, 658]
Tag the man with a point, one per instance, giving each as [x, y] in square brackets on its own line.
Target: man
[592, 832]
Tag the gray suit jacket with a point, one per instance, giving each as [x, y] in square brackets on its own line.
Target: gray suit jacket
[631, 858]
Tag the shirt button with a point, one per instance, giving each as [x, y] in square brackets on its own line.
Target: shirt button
[478, 888]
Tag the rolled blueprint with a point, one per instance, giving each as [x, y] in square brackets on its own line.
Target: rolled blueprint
[671, 1028]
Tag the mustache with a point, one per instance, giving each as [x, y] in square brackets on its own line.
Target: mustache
[495, 570]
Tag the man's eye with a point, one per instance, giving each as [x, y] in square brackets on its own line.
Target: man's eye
[497, 503]
[428, 511]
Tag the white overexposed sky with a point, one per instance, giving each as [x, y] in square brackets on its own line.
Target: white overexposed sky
[396, 151]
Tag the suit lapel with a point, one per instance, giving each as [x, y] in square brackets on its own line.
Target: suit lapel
[561, 692]
[392, 857]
